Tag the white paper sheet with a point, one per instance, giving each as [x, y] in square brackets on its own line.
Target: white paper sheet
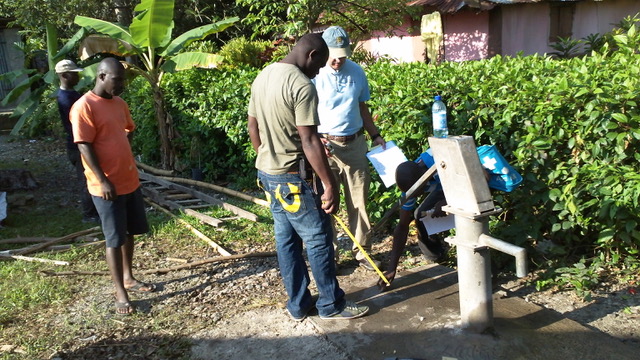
[437, 224]
[386, 161]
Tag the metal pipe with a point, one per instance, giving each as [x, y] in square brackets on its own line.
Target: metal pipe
[519, 253]
[474, 275]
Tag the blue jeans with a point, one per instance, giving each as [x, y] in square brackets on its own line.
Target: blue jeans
[297, 219]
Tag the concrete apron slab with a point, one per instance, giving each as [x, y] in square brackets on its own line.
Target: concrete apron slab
[420, 319]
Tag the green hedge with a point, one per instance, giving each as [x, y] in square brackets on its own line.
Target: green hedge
[569, 126]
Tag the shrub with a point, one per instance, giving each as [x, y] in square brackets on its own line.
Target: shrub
[240, 52]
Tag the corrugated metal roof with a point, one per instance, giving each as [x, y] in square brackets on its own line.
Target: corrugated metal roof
[451, 6]
[445, 6]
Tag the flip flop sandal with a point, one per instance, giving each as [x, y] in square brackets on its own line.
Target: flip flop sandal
[124, 308]
[142, 287]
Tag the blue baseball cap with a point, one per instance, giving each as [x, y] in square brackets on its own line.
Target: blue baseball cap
[338, 42]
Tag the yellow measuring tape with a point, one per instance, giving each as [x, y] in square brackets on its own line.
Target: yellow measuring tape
[366, 256]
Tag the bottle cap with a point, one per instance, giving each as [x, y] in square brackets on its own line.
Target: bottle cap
[438, 97]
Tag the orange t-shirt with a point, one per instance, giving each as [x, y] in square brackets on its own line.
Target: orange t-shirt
[105, 123]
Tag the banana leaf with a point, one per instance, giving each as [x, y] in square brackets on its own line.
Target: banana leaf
[190, 60]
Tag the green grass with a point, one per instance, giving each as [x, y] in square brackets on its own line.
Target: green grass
[22, 288]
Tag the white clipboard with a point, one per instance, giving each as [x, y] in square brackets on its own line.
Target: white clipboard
[386, 161]
[436, 225]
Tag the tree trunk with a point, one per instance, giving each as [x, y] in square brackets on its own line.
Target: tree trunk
[123, 12]
[166, 132]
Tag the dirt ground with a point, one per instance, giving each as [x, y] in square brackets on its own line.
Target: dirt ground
[232, 310]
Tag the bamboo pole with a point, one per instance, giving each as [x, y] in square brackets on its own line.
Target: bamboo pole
[34, 248]
[221, 189]
[26, 240]
[61, 248]
[153, 170]
[27, 258]
[169, 269]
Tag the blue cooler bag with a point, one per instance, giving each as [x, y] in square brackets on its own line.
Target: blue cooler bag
[503, 176]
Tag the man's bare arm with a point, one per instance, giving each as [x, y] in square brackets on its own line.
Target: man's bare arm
[90, 157]
[254, 135]
[315, 154]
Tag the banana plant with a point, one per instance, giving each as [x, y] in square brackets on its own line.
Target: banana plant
[27, 78]
[150, 39]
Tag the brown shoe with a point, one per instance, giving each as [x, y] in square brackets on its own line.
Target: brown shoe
[367, 265]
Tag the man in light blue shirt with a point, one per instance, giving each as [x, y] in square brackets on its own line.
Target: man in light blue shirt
[343, 90]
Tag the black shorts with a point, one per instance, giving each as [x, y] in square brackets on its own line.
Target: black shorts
[121, 217]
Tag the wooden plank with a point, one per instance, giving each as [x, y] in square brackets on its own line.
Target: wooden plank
[203, 206]
[157, 188]
[195, 231]
[203, 217]
[158, 198]
[180, 196]
[207, 198]
[171, 192]
[189, 202]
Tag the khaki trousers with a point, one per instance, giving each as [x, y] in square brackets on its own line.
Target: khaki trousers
[350, 167]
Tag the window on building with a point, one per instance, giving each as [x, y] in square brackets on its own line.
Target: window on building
[561, 20]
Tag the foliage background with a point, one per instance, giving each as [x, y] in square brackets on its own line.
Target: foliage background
[570, 126]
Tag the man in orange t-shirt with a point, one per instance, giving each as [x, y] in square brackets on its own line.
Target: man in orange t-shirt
[102, 128]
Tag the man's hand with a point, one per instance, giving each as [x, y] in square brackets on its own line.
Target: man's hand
[328, 148]
[108, 190]
[330, 201]
[379, 140]
[389, 275]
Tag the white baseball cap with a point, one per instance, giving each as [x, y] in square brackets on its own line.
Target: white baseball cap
[67, 66]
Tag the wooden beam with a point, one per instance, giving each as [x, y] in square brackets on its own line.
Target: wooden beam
[203, 217]
[180, 196]
[189, 202]
[202, 206]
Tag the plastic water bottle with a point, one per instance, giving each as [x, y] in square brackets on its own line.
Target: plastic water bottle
[439, 113]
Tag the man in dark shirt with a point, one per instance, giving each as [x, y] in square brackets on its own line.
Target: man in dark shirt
[67, 72]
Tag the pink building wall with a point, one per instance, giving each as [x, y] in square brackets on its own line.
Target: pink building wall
[465, 38]
[466, 35]
[525, 28]
[601, 17]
